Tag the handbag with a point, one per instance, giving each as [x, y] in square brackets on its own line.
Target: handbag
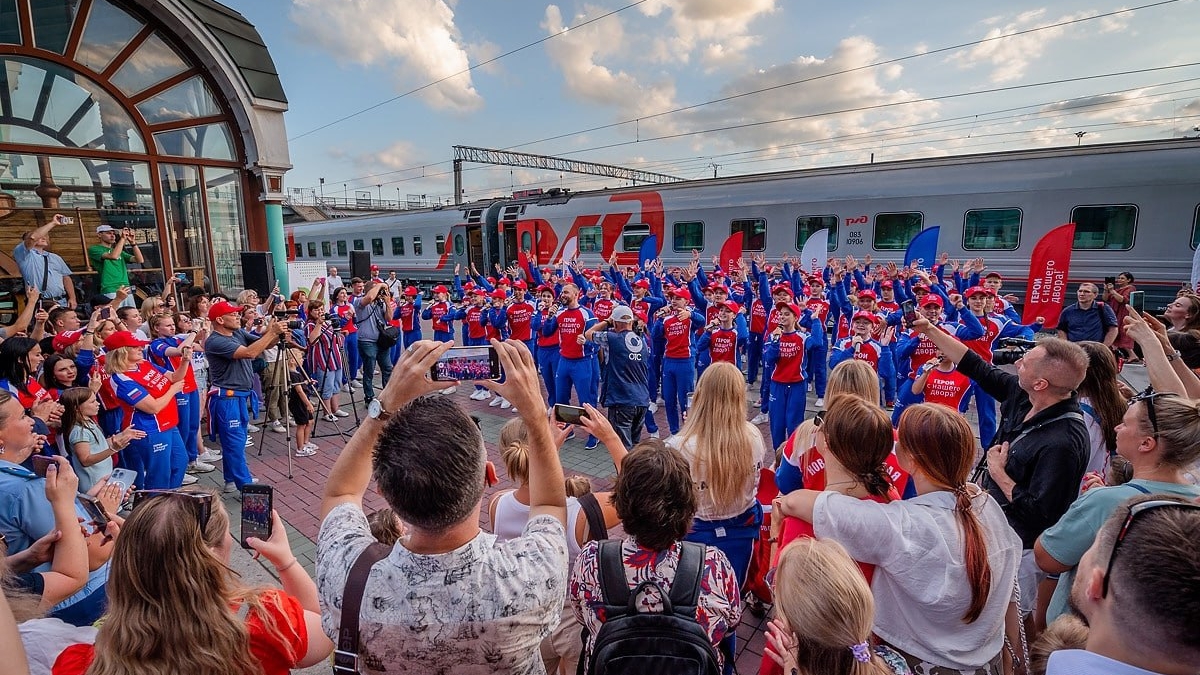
[345, 657]
[389, 335]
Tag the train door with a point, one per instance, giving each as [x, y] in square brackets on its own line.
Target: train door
[492, 236]
[509, 233]
[525, 238]
[474, 242]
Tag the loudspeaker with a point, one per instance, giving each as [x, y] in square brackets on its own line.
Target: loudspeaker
[360, 265]
[258, 272]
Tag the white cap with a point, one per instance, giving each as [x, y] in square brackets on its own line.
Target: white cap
[621, 314]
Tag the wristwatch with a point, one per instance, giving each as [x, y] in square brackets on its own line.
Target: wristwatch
[376, 412]
[1172, 357]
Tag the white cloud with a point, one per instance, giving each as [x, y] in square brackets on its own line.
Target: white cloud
[416, 39]
[1010, 57]
[718, 31]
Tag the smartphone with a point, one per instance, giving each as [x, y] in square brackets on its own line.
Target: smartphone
[40, 464]
[94, 510]
[123, 477]
[467, 363]
[106, 312]
[1137, 301]
[910, 311]
[1110, 280]
[257, 502]
[568, 414]
[67, 221]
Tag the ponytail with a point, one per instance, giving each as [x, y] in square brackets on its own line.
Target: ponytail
[979, 572]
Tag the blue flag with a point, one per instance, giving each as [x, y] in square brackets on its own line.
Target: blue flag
[923, 248]
[648, 251]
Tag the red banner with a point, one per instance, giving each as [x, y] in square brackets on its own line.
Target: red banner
[731, 252]
[1048, 272]
[523, 260]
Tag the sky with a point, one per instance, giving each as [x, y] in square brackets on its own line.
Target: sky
[693, 88]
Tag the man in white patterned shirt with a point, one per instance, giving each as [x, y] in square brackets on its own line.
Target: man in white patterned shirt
[448, 598]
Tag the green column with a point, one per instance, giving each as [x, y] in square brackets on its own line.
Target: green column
[278, 244]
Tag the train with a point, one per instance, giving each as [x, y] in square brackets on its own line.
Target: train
[1136, 208]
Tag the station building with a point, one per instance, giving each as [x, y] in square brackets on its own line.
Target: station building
[165, 116]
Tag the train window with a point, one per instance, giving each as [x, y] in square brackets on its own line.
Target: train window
[439, 244]
[806, 226]
[376, 247]
[688, 236]
[526, 241]
[1196, 229]
[893, 231]
[1104, 227]
[416, 246]
[397, 245]
[297, 249]
[326, 249]
[460, 245]
[358, 245]
[992, 229]
[633, 236]
[754, 233]
[341, 247]
[591, 239]
[312, 249]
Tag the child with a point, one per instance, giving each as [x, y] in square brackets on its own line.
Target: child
[938, 381]
[89, 451]
[299, 405]
[386, 526]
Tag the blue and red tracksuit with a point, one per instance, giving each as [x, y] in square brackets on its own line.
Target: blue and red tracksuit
[786, 355]
[410, 326]
[441, 314]
[914, 350]
[678, 364]
[159, 458]
[188, 400]
[547, 352]
[474, 320]
[574, 370]
[817, 360]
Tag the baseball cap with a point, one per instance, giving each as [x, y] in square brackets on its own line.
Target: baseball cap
[411, 290]
[440, 289]
[66, 339]
[989, 275]
[932, 299]
[520, 283]
[789, 306]
[732, 306]
[867, 293]
[887, 283]
[975, 290]
[499, 294]
[220, 309]
[641, 283]
[622, 314]
[123, 338]
[374, 268]
[105, 228]
[681, 293]
[920, 287]
[869, 316]
[781, 288]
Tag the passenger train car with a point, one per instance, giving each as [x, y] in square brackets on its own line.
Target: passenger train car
[1136, 207]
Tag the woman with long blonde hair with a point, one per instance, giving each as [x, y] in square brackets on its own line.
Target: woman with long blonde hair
[725, 453]
[824, 611]
[174, 606]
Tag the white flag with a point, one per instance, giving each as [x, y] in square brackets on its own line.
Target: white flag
[816, 251]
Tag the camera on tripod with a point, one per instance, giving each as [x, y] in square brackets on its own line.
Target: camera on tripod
[334, 321]
[283, 315]
[1012, 351]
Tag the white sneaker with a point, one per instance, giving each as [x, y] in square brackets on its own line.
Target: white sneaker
[496, 400]
[292, 422]
[820, 403]
[312, 445]
[479, 395]
[253, 428]
[504, 404]
[449, 390]
[347, 388]
[341, 413]
[249, 443]
[653, 407]
[189, 479]
[306, 452]
[331, 418]
[199, 467]
[356, 384]
[760, 418]
[278, 428]
[513, 409]
[653, 434]
[209, 456]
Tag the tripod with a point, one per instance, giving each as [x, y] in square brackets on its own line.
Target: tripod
[279, 383]
[328, 411]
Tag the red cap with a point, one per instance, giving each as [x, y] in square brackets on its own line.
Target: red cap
[867, 293]
[123, 338]
[545, 287]
[732, 306]
[920, 287]
[975, 290]
[641, 283]
[491, 280]
[789, 306]
[869, 316]
[374, 268]
[220, 309]
[469, 286]
[66, 339]
[440, 289]
[681, 293]
[816, 279]
[499, 294]
[932, 299]
[479, 291]
[989, 275]
[411, 290]
[503, 281]
[520, 283]
[886, 283]
[781, 288]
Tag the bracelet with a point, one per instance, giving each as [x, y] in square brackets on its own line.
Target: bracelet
[287, 567]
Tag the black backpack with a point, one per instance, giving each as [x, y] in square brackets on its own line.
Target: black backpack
[667, 643]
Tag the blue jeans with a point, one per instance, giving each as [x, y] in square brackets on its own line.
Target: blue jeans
[372, 355]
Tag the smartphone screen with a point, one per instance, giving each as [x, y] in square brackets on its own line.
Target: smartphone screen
[257, 502]
[568, 414]
[94, 510]
[123, 477]
[910, 311]
[467, 363]
[40, 463]
[1137, 301]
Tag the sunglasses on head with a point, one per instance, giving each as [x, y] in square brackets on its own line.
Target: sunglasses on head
[1147, 396]
[1134, 512]
[200, 502]
[819, 419]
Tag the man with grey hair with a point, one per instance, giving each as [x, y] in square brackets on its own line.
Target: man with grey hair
[626, 373]
[333, 281]
[1036, 460]
[1088, 319]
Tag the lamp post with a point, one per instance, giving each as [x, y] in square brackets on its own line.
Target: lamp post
[379, 193]
[1079, 137]
[322, 189]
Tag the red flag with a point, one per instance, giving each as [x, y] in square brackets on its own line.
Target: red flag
[1048, 272]
[523, 261]
[731, 252]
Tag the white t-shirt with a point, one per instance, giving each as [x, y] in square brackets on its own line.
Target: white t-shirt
[920, 581]
[707, 509]
[1080, 662]
[512, 515]
[480, 609]
[45, 639]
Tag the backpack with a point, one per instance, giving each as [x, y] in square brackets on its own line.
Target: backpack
[667, 643]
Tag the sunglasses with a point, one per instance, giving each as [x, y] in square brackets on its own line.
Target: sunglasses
[1147, 396]
[819, 419]
[200, 502]
[1140, 507]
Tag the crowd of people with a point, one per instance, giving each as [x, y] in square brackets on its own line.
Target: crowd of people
[886, 534]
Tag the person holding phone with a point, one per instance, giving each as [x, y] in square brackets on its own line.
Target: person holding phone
[111, 260]
[1117, 292]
